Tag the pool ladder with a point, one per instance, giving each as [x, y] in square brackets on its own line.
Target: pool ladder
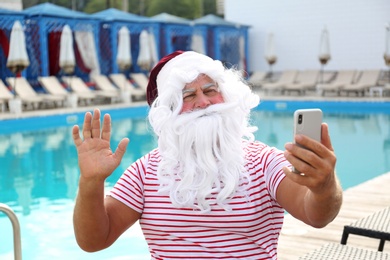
[16, 229]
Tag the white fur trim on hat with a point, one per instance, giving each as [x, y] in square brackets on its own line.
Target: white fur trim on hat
[185, 68]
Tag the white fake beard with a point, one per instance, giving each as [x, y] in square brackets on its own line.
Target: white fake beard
[202, 157]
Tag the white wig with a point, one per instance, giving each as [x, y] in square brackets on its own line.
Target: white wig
[184, 69]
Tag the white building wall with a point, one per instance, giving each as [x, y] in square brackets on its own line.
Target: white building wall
[356, 29]
[11, 4]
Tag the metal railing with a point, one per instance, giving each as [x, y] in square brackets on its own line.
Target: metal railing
[16, 230]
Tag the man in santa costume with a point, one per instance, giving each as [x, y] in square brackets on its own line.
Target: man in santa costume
[209, 190]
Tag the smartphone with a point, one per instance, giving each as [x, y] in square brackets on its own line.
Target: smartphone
[308, 122]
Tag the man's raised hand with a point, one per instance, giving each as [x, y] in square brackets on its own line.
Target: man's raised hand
[96, 159]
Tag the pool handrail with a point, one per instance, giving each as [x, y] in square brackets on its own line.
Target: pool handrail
[16, 230]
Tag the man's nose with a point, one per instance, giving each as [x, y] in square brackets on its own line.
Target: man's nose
[202, 101]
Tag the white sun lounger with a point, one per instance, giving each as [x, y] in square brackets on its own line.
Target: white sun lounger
[368, 78]
[29, 96]
[104, 84]
[257, 78]
[5, 95]
[287, 77]
[125, 85]
[88, 95]
[140, 79]
[306, 80]
[343, 78]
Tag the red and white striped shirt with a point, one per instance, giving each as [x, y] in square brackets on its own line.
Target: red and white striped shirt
[249, 231]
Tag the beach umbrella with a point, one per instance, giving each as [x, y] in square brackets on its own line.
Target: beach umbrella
[197, 43]
[386, 56]
[270, 55]
[387, 45]
[324, 53]
[67, 58]
[241, 50]
[153, 49]
[17, 59]
[123, 57]
[145, 56]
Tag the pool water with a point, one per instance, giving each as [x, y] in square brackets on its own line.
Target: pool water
[39, 176]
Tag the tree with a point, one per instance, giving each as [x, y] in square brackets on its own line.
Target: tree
[94, 6]
[190, 9]
[209, 7]
[65, 3]
[183, 8]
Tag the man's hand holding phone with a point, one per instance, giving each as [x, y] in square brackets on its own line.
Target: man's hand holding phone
[315, 194]
[307, 122]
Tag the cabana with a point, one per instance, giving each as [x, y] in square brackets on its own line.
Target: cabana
[7, 20]
[111, 21]
[176, 33]
[44, 24]
[226, 41]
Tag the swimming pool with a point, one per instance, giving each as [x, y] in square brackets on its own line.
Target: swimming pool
[39, 174]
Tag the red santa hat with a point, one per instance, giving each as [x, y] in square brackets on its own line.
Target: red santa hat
[151, 91]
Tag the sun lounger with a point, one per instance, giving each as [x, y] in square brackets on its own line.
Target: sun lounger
[2, 105]
[104, 84]
[5, 95]
[257, 78]
[343, 78]
[386, 89]
[368, 78]
[306, 80]
[336, 251]
[53, 86]
[29, 96]
[126, 86]
[287, 77]
[140, 79]
[376, 225]
[84, 93]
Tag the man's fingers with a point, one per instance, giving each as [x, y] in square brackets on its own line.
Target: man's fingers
[106, 129]
[306, 166]
[87, 125]
[318, 148]
[76, 135]
[96, 124]
[296, 177]
[121, 149]
[325, 137]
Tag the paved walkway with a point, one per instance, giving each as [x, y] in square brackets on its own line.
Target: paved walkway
[297, 238]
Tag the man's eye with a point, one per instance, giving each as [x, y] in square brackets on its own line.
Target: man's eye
[189, 97]
[210, 91]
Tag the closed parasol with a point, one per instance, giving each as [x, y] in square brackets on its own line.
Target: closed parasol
[386, 55]
[123, 57]
[270, 54]
[67, 57]
[153, 49]
[324, 53]
[17, 57]
[144, 60]
[17, 61]
[241, 49]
